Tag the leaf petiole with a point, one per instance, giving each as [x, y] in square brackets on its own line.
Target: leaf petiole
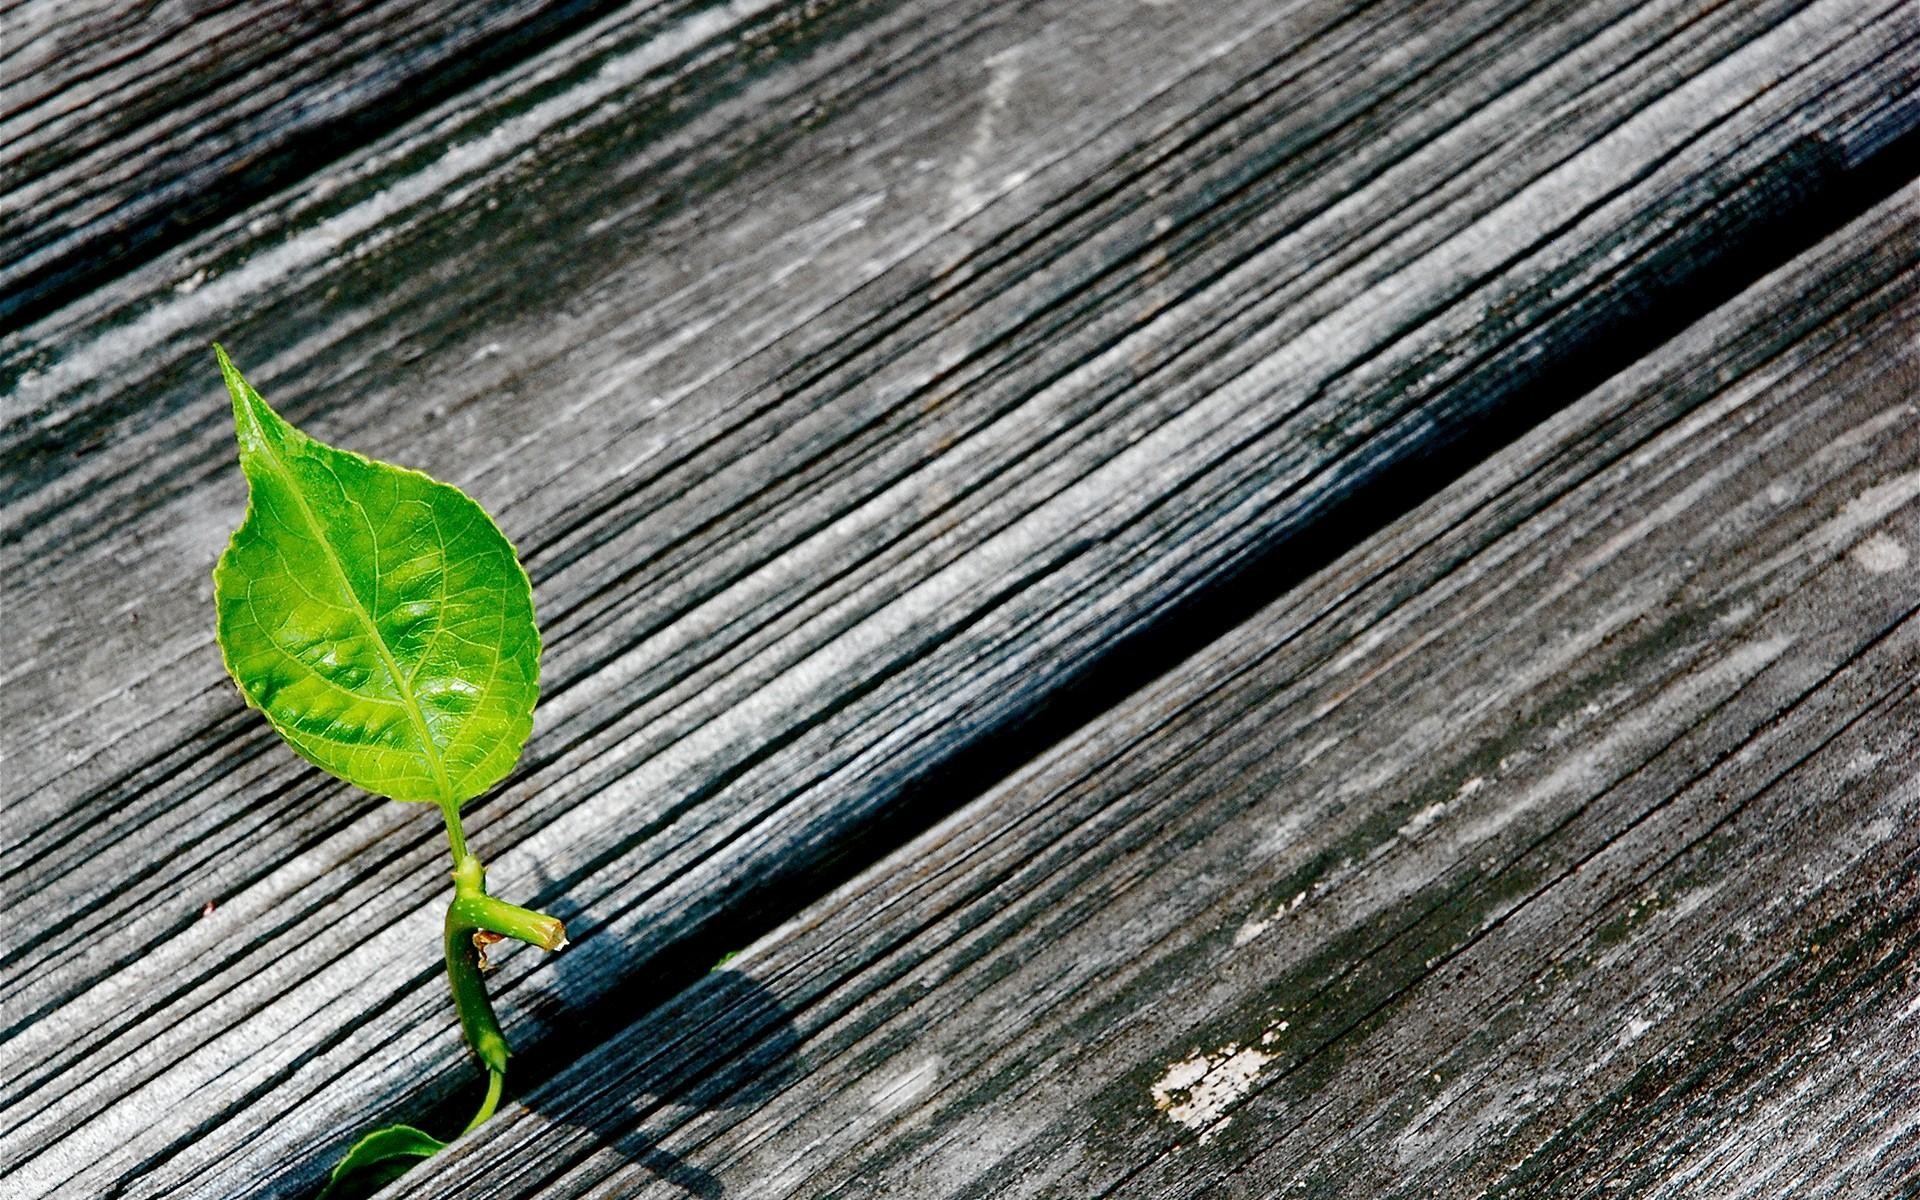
[492, 915]
[456, 833]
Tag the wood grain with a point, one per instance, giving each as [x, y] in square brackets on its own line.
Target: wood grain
[124, 127]
[1560, 841]
[856, 379]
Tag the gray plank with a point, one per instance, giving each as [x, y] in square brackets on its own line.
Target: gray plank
[1560, 840]
[848, 399]
[124, 128]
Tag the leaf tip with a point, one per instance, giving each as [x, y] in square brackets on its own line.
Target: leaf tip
[253, 417]
[236, 382]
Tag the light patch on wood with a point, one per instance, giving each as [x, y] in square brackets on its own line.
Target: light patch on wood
[1003, 71]
[1880, 554]
[1588, 769]
[1912, 1009]
[903, 1089]
[1419, 822]
[1870, 507]
[1283, 833]
[1198, 1091]
[1318, 748]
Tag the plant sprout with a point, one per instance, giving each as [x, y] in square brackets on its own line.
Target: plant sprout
[382, 623]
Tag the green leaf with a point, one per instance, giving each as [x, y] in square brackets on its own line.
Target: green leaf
[377, 617]
[378, 1159]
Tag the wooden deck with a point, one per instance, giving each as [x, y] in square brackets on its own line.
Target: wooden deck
[1284, 599]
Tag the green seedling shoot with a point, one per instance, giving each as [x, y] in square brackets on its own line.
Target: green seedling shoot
[382, 623]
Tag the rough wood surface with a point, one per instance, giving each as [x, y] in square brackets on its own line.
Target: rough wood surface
[1562, 840]
[124, 127]
[853, 378]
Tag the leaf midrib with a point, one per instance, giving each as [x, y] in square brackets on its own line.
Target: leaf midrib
[400, 681]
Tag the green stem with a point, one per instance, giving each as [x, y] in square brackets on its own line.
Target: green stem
[477, 1022]
[494, 1080]
[474, 912]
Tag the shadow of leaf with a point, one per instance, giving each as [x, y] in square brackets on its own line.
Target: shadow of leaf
[724, 1042]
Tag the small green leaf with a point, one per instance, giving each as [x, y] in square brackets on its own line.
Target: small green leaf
[378, 1159]
[377, 617]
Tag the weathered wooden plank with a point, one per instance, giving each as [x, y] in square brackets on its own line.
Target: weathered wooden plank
[1561, 840]
[848, 401]
[125, 127]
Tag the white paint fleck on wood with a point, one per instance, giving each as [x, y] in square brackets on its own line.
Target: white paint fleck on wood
[1199, 1092]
